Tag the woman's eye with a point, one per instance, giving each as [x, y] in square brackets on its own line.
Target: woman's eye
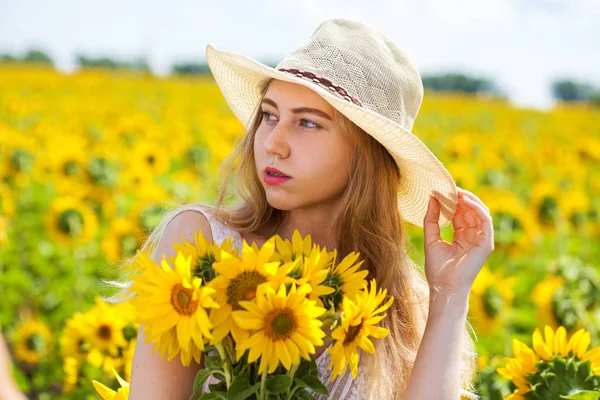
[314, 125]
[266, 115]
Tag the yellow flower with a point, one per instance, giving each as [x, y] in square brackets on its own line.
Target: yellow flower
[312, 269]
[123, 239]
[204, 254]
[542, 295]
[108, 394]
[152, 158]
[70, 222]
[345, 278]
[523, 368]
[236, 280]
[33, 341]
[358, 322]
[105, 328]
[71, 371]
[491, 299]
[286, 326]
[75, 341]
[171, 304]
[290, 251]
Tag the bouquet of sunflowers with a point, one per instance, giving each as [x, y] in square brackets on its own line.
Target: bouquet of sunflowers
[257, 319]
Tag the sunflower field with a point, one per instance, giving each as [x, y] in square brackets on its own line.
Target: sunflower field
[90, 161]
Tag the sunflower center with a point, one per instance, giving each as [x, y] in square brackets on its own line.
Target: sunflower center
[182, 300]
[130, 332]
[150, 160]
[71, 168]
[83, 346]
[492, 301]
[243, 287]
[35, 342]
[353, 331]
[104, 332]
[71, 222]
[281, 323]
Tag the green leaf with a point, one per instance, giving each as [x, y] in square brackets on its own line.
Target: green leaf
[213, 362]
[315, 384]
[278, 384]
[303, 369]
[583, 395]
[302, 395]
[201, 377]
[241, 388]
[213, 396]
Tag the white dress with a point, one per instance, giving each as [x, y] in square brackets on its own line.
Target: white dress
[342, 388]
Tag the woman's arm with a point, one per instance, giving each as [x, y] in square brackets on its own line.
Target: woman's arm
[436, 374]
[8, 387]
[153, 377]
[450, 269]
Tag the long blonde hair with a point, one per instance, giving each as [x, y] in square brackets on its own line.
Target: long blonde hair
[369, 223]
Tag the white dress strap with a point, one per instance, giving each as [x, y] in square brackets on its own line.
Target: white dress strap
[219, 230]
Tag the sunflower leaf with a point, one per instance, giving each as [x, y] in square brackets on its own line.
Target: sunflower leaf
[213, 362]
[241, 388]
[315, 384]
[583, 395]
[201, 377]
[278, 384]
[213, 396]
[302, 395]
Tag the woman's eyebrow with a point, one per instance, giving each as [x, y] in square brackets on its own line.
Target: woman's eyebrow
[300, 109]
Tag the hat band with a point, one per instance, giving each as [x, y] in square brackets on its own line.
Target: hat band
[323, 82]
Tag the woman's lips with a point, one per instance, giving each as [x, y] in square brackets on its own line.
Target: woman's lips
[274, 180]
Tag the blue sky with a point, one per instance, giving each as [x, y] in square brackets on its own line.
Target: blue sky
[522, 45]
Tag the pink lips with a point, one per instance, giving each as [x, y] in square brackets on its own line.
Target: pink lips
[273, 180]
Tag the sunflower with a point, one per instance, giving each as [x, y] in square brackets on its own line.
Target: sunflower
[204, 254]
[312, 269]
[345, 278]
[237, 279]
[105, 328]
[123, 239]
[285, 326]
[70, 222]
[358, 322]
[153, 160]
[33, 342]
[128, 359]
[74, 341]
[542, 295]
[108, 394]
[491, 299]
[554, 366]
[71, 370]
[7, 203]
[299, 247]
[171, 304]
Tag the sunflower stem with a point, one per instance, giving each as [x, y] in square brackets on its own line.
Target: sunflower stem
[263, 381]
[291, 372]
[226, 364]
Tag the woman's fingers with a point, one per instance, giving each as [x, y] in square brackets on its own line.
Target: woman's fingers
[470, 195]
[483, 215]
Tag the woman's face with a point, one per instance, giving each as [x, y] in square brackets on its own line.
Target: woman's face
[298, 136]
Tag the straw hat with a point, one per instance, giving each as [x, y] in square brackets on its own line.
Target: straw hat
[363, 74]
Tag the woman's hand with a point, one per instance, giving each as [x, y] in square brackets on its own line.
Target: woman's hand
[454, 266]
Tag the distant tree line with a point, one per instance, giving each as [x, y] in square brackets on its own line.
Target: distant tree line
[563, 89]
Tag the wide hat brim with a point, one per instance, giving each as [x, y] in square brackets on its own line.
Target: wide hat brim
[242, 81]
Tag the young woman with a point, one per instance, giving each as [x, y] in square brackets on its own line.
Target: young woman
[329, 151]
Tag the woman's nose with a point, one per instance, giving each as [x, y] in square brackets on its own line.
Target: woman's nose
[277, 141]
